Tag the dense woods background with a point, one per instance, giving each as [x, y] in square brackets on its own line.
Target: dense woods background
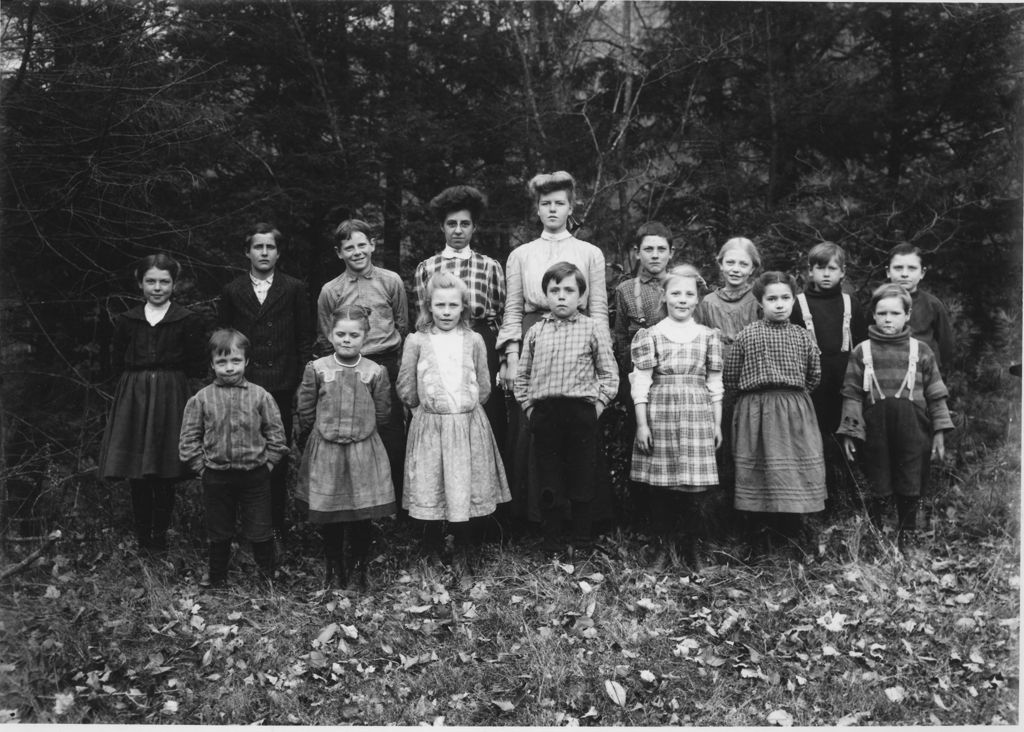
[132, 127]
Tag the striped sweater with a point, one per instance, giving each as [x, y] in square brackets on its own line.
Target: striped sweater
[891, 357]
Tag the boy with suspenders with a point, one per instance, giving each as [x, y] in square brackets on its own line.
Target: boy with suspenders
[837, 325]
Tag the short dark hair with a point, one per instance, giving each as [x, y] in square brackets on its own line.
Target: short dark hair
[904, 249]
[351, 312]
[544, 183]
[224, 339]
[348, 227]
[559, 271]
[263, 228]
[823, 253]
[160, 260]
[458, 198]
[773, 278]
[891, 289]
[652, 228]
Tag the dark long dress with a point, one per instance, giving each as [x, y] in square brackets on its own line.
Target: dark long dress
[144, 422]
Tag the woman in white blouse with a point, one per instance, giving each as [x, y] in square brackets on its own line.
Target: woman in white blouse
[525, 303]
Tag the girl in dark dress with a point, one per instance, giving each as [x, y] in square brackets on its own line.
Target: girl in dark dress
[154, 346]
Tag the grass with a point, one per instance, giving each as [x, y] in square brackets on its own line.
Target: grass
[98, 634]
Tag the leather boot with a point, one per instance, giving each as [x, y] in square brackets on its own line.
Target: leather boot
[217, 573]
[263, 554]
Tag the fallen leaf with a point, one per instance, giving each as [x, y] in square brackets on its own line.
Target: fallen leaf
[170, 707]
[832, 622]
[326, 634]
[647, 677]
[586, 587]
[964, 599]
[503, 705]
[780, 718]
[615, 692]
[896, 694]
[939, 703]
[63, 702]
[350, 631]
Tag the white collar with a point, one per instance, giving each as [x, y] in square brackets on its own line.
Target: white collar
[676, 331]
[347, 365]
[555, 237]
[257, 282]
[449, 253]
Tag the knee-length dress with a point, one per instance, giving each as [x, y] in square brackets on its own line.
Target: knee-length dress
[344, 474]
[679, 408]
[141, 436]
[453, 468]
[776, 443]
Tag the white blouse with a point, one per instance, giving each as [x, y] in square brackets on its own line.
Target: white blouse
[525, 270]
[448, 349]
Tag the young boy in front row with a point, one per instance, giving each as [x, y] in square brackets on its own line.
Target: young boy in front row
[567, 376]
[232, 436]
[894, 403]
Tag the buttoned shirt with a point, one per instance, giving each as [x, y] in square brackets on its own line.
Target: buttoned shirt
[483, 276]
[566, 358]
[635, 308]
[261, 287]
[378, 290]
[231, 427]
[772, 355]
[524, 272]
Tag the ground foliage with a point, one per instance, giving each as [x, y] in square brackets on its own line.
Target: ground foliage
[854, 635]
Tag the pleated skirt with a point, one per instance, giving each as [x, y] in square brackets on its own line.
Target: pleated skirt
[143, 426]
[777, 452]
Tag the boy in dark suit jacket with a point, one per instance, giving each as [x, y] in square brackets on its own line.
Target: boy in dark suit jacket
[272, 310]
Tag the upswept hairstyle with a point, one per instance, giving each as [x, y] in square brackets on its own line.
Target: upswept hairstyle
[545, 183]
[458, 198]
[652, 228]
[224, 339]
[263, 228]
[891, 289]
[348, 227]
[444, 281]
[904, 249]
[773, 278]
[157, 261]
[823, 253]
[559, 271]
[351, 312]
[744, 245]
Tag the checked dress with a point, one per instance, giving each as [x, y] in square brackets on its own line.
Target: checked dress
[679, 410]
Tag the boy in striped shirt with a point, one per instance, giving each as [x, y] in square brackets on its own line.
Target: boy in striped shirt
[232, 436]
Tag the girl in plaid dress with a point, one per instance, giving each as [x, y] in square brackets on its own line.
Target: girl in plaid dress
[677, 389]
[780, 471]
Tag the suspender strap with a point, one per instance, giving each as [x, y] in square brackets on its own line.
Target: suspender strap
[870, 382]
[847, 316]
[805, 310]
[908, 380]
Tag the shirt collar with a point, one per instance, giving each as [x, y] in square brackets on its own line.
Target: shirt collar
[555, 237]
[646, 279]
[242, 384]
[257, 282]
[449, 253]
[367, 273]
[571, 319]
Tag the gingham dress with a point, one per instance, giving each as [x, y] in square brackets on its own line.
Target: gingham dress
[679, 410]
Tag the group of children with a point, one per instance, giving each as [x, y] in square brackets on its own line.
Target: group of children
[742, 387]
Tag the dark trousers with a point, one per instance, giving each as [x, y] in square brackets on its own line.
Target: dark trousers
[279, 476]
[237, 494]
[565, 447]
[152, 507]
[393, 433]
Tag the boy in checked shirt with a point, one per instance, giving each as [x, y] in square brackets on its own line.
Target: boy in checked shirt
[567, 376]
[232, 436]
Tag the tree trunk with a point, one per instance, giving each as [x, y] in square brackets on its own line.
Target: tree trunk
[394, 153]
